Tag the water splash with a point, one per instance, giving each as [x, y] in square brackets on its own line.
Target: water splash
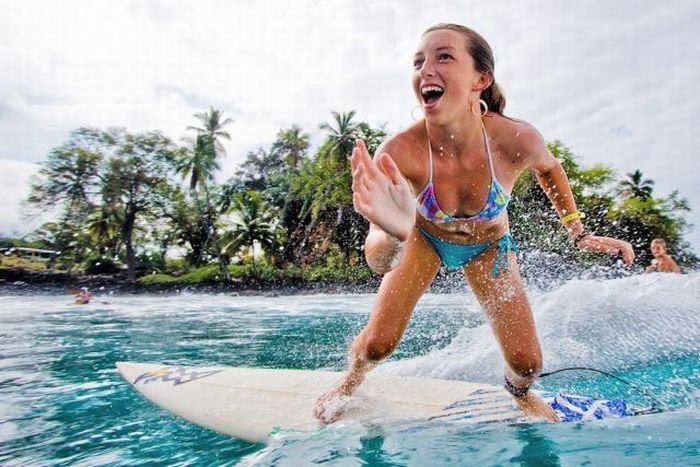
[615, 324]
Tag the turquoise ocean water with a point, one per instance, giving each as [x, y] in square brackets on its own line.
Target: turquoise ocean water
[63, 403]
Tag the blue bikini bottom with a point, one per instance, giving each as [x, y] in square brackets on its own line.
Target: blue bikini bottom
[456, 255]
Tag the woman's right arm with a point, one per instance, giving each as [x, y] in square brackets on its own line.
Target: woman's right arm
[382, 196]
[383, 252]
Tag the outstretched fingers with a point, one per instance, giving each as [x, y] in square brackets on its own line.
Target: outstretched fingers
[361, 183]
[360, 206]
[627, 253]
[390, 169]
[361, 157]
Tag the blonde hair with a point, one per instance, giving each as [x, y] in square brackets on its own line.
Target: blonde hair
[481, 52]
[660, 241]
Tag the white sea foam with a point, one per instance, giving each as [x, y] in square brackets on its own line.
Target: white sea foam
[607, 324]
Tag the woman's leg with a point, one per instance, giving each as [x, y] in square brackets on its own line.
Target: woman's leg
[508, 310]
[398, 294]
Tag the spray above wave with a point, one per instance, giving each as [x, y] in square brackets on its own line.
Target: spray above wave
[613, 324]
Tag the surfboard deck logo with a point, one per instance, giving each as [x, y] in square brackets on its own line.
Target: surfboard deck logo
[176, 375]
[491, 402]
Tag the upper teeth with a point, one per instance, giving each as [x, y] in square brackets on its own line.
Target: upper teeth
[427, 89]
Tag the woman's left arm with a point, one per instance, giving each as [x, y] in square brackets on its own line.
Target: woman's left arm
[552, 178]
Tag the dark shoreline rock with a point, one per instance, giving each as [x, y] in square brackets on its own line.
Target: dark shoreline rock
[23, 282]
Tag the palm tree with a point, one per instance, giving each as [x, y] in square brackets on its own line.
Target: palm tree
[342, 134]
[198, 163]
[373, 137]
[256, 222]
[103, 227]
[341, 138]
[200, 167]
[636, 186]
[212, 128]
[292, 143]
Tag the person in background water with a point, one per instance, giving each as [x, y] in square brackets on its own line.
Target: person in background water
[462, 161]
[662, 261]
[82, 296]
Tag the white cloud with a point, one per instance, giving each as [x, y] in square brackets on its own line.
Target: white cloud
[14, 189]
[613, 80]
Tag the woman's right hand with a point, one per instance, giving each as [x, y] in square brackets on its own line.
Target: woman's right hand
[381, 194]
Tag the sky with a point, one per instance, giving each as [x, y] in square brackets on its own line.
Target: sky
[615, 80]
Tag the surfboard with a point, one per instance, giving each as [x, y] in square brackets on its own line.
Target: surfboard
[253, 403]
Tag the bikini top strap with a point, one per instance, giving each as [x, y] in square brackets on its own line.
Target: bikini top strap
[430, 156]
[488, 149]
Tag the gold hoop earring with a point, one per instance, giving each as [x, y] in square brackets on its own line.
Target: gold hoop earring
[482, 103]
[482, 106]
[413, 111]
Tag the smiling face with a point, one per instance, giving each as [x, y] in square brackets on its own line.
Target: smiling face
[444, 79]
[658, 249]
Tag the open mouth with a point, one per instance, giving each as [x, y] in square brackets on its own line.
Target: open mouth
[431, 94]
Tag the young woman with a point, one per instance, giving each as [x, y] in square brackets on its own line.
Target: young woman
[438, 192]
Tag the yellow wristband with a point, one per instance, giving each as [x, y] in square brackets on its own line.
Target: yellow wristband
[571, 217]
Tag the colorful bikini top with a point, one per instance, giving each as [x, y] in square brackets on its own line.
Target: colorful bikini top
[496, 202]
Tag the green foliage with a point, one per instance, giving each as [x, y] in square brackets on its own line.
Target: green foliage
[103, 182]
[212, 128]
[291, 145]
[256, 222]
[636, 187]
[154, 279]
[70, 176]
[240, 271]
[338, 274]
[14, 262]
[203, 275]
[211, 274]
[175, 266]
[101, 265]
[269, 273]
[198, 162]
[342, 133]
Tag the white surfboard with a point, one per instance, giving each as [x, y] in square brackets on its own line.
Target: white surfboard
[252, 403]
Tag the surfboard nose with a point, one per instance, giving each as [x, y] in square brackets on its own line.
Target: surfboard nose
[127, 371]
[131, 371]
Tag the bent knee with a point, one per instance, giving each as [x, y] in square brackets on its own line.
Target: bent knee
[525, 364]
[374, 348]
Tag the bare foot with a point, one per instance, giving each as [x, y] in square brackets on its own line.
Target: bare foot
[331, 405]
[535, 407]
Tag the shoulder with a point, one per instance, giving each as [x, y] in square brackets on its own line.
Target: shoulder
[403, 147]
[520, 142]
[669, 264]
[514, 136]
[403, 142]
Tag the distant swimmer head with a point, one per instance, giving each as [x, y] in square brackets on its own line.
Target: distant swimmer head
[658, 247]
[455, 62]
